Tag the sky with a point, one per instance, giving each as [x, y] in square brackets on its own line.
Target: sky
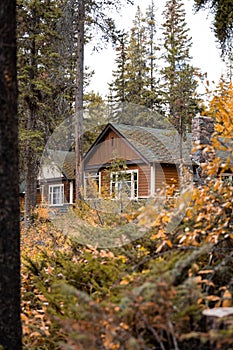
[204, 50]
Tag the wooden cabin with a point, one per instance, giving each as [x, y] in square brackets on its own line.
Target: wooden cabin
[136, 159]
[57, 180]
[127, 160]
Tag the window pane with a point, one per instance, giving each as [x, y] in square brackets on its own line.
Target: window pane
[124, 183]
[56, 195]
[227, 179]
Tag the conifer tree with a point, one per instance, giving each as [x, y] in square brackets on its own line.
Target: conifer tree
[119, 74]
[95, 118]
[89, 17]
[51, 36]
[134, 80]
[117, 89]
[136, 65]
[223, 21]
[40, 84]
[179, 82]
[153, 100]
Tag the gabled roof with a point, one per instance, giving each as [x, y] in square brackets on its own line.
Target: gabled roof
[63, 161]
[68, 168]
[153, 145]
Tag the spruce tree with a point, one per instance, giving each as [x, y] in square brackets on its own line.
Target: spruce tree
[134, 86]
[117, 89]
[179, 85]
[222, 23]
[136, 67]
[40, 84]
[95, 118]
[153, 100]
[89, 17]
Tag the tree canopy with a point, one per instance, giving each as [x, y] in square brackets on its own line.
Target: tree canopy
[223, 20]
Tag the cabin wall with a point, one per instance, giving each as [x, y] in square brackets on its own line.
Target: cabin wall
[143, 180]
[56, 182]
[166, 174]
[111, 148]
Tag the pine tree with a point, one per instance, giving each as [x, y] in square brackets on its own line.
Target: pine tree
[117, 89]
[179, 81]
[134, 86]
[153, 100]
[223, 21]
[128, 85]
[40, 84]
[120, 73]
[95, 118]
[88, 16]
[136, 65]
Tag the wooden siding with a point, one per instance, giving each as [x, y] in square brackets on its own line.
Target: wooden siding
[166, 174]
[57, 182]
[38, 197]
[144, 181]
[22, 199]
[111, 148]
[66, 191]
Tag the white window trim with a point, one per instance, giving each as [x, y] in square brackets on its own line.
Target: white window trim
[152, 180]
[62, 195]
[226, 176]
[71, 191]
[132, 172]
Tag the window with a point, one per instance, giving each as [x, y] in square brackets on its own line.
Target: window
[124, 183]
[56, 194]
[92, 185]
[227, 178]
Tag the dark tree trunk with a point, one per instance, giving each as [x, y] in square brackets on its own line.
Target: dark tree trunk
[30, 154]
[10, 326]
[30, 186]
[79, 101]
[30, 172]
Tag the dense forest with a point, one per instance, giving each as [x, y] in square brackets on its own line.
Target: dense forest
[170, 287]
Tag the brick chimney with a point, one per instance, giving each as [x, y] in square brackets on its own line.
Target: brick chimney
[202, 130]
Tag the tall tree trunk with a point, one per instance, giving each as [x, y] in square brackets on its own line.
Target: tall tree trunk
[30, 186]
[30, 172]
[30, 156]
[10, 326]
[79, 101]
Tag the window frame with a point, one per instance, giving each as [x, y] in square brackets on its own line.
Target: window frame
[225, 176]
[116, 182]
[51, 195]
